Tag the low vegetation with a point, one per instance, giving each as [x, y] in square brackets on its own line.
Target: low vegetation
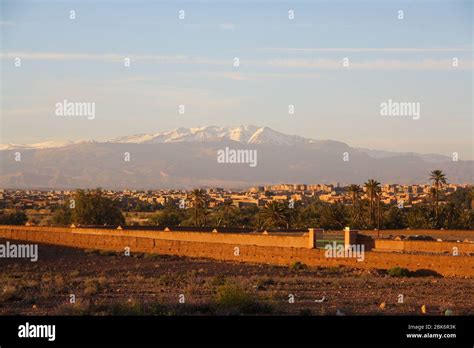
[398, 272]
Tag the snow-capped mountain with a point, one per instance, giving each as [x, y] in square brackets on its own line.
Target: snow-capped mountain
[49, 144]
[43, 145]
[187, 158]
[244, 134]
[249, 135]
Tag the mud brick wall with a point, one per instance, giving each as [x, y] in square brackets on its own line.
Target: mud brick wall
[423, 246]
[446, 265]
[296, 240]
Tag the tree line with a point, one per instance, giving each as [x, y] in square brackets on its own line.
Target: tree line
[452, 211]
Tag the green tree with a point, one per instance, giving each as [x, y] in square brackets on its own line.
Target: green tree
[394, 218]
[169, 216]
[94, 208]
[354, 191]
[14, 218]
[226, 214]
[199, 202]
[372, 187]
[439, 179]
[62, 216]
[419, 217]
[333, 216]
[247, 216]
[274, 214]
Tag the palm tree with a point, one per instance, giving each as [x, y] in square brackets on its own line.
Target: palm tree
[354, 191]
[274, 213]
[378, 194]
[199, 199]
[373, 187]
[471, 197]
[227, 210]
[439, 179]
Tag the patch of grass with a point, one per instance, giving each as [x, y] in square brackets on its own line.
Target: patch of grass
[298, 266]
[107, 253]
[233, 299]
[93, 285]
[425, 273]
[152, 256]
[58, 282]
[263, 283]
[403, 272]
[74, 273]
[218, 280]
[78, 308]
[129, 308]
[133, 308]
[398, 272]
[31, 283]
[49, 285]
[10, 293]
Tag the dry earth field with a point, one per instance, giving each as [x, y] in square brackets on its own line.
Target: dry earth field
[106, 283]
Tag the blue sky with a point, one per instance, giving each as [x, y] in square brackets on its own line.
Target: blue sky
[282, 62]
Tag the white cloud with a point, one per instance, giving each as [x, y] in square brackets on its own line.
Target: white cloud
[377, 64]
[369, 49]
[303, 63]
[90, 56]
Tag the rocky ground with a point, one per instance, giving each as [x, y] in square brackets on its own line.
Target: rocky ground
[104, 283]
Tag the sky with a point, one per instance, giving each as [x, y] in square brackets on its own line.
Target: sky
[282, 62]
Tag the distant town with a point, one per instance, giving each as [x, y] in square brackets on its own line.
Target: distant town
[140, 207]
[151, 200]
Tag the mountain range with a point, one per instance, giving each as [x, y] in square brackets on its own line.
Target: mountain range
[186, 158]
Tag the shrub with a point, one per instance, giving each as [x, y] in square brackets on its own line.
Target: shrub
[152, 256]
[425, 273]
[92, 286]
[10, 293]
[265, 282]
[107, 253]
[218, 280]
[298, 266]
[129, 308]
[233, 299]
[398, 272]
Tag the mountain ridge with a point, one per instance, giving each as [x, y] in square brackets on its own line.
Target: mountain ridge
[245, 134]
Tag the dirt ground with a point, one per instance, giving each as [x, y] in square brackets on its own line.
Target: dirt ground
[105, 283]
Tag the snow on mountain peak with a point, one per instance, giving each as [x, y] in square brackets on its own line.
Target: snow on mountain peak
[246, 134]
